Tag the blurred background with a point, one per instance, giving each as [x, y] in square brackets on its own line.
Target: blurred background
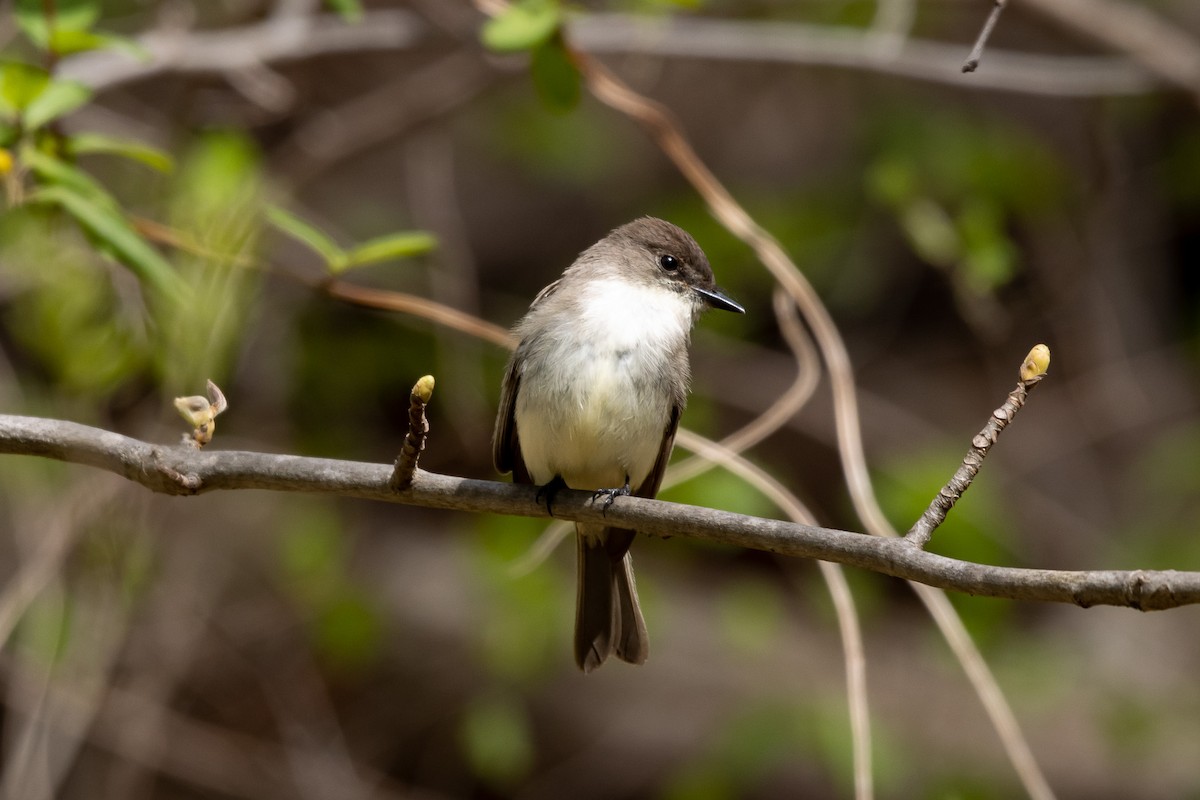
[258, 645]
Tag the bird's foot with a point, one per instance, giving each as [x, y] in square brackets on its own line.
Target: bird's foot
[549, 491]
[610, 495]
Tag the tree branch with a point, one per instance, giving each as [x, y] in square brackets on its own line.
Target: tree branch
[181, 470]
[279, 38]
[755, 41]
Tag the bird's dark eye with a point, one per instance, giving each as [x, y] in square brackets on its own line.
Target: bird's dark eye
[668, 262]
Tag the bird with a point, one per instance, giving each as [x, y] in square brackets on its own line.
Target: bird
[591, 400]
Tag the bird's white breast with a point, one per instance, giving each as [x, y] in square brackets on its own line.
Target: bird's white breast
[594, 402]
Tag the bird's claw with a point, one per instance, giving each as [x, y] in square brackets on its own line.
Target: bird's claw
[610, 495]
[549, 491]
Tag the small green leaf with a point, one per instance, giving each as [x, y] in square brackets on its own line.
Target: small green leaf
[349, 10]
[394, 245]
[65, 42]
[51, 170]
[308, 235]
[108, 226]
[87, 143]
[555, 76]
[20, 84]
[68, 15]
[58, 99]
[522, 26]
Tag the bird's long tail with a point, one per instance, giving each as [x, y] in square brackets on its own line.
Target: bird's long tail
[608, 617]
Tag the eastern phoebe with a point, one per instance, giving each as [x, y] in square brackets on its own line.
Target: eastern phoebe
[591, 400]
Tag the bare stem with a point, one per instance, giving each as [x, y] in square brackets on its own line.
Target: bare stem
[414, 440]
[972, 62]
[1032, 371]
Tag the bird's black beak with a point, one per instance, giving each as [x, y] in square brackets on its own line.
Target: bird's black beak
[718, 299]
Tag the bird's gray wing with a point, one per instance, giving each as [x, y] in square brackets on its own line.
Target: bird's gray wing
[506, 444]
[650, 486]
[506, 441]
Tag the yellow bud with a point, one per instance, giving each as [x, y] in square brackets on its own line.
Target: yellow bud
[1036, 363]
[6, 161]
[424, 388]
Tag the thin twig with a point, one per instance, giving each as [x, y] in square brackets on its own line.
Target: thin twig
[438, 313]
[981, 445]
[972, 62]
[414, 440]
[227, 50]
[774, 42]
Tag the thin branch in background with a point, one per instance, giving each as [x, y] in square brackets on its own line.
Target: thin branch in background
[892, 24]
[972, 62]
[849, 629]
[223, 52]
[1033, 369]
[670, 139]
[843, 47]
[1165, 49]
[420, 307]
[381, 114]
[414, 440]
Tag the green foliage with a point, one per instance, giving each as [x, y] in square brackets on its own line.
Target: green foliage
[69, 16]
[114, 235]
[52, 171]
[497, 738]
[524, 25]
[349, 10]
[956, 188]
[555, 76]
[97, 143]
[389, 247]
[68, 313]
[309, 235]
[20, 85]
[57, 99]
[213, 208]
[30, 100]
[662, 6]
[403, 244]
[68, 29]
[534, 26]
